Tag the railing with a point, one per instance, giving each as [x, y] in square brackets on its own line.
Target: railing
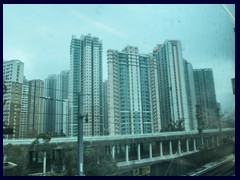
[122, 138]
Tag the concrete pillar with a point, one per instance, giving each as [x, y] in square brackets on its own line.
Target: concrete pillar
[44, 163]
[207, 143]
[63, 167]
[213, 141]
[218, 141]
[194, 145]
[150, 150]
[202, 141]
[179, 147]
[139, 151]
[161, 149]
[170, 147]
[127, 154]
[113, 151]
[4, 158]
[187, 145]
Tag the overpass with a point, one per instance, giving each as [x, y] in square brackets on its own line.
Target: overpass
[133, 151]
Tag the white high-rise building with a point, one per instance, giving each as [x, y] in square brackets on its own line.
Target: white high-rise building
[86, 78]
[155, 104]
[13, 79]
[129, 92]
[172, 85]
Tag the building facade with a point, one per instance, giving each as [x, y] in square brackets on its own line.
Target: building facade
[105, 125]
[24, 110]
[36, 114]
[61, 97]
[13, 80]
[49, 102]
[191, 95]
[85, 80]
[172, 85]
[129, 95]
[206, 96]
[155, 104]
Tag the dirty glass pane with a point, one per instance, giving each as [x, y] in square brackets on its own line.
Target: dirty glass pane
[119, 90]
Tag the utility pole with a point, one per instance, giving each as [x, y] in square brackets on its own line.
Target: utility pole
[80, 133]
[80, 137]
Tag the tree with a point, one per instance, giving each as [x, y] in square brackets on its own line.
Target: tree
[17, 155]
[179, 125]
[175, 126]
[45, 137]
[96, 163]
[70, 159]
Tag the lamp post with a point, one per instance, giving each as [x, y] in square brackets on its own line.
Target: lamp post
[44, 152]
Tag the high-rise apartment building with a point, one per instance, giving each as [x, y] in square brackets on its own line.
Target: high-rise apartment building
[13, 79]
[129, 92]
[61, 100]
[24, 109]
[155, 104]
[206, 96]
[36, 114]
[104, 126]
[85, 78]
[49, 101]
[74, 83]
[66, 118]
[172, 84]
[191, 95]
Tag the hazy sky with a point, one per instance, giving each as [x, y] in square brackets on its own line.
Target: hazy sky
[40, 35]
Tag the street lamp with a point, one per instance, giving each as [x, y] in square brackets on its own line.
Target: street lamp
[44, 152]
[80, 118]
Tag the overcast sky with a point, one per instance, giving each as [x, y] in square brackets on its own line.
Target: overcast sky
[40, 35]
